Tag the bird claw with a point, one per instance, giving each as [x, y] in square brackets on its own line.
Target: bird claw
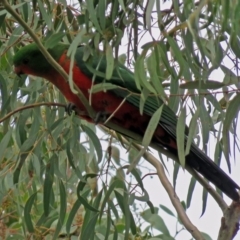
[70, 108]
[101, 117]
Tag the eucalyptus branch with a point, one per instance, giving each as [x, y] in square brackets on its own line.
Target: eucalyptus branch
[46, 54]
[169, 189]
[172, 195]
[222, 204]
[31, 106]
[230, 222]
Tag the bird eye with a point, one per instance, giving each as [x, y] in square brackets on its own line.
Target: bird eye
[25, 61]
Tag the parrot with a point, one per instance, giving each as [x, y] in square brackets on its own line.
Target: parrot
[121, 102]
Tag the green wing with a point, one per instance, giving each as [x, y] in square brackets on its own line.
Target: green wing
[124, 78]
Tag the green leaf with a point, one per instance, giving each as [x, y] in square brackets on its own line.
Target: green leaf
[129, 222]
[167, 210]
[2, 18]
[4, 93]
[114, 209]
[84, 202]
[93, 15]
[107, 195]
[229, 76]
[191, 133]
[15, 35]
[152, 209]
[181, 137]
[206, 236]
[21, 159]
[46, 17]
[27, 212]
[156, 78]
[63, 208]
[95, 140]
[204, 200]
[72, 214]
[232, 111]
[175, 174]
[140, 74]
[4, 143]
[110, 61]
[88, 231]
[101, 12]
[152, 125]
[156, 221]
[102, 87]
[121, 2]
[115, 154]
[235, 43]
[54, 39]
[177, 53]
[135, 173]
[108, 225]
[164, 56]
[210, 84]
[190, 191]
[148, 14]
[47, 185]
[144, 198]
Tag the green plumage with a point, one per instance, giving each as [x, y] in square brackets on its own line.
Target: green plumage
[123, 85]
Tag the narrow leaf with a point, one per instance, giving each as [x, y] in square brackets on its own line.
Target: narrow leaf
[231, 113]
[89, 230]
[181, 137]
[191, 132]
[210, 84]
[152, 125]
[27, 213]
[110, 61]
[47, 187]
[148, 14]
[95, 141]
[63, 208]
[190, 191]
[125, 209]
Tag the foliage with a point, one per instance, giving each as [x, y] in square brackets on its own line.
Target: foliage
[58, 179]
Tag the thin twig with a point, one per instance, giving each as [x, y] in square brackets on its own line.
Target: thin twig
[31, 106]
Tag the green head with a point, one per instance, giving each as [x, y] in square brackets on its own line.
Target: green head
[30, 60]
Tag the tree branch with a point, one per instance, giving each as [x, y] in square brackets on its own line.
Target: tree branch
[172, 195]
[230, 222]
[221, 203]
[31, 106]
[169, 189]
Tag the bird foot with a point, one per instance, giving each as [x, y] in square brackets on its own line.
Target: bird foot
[101, 117]
[70, 108]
